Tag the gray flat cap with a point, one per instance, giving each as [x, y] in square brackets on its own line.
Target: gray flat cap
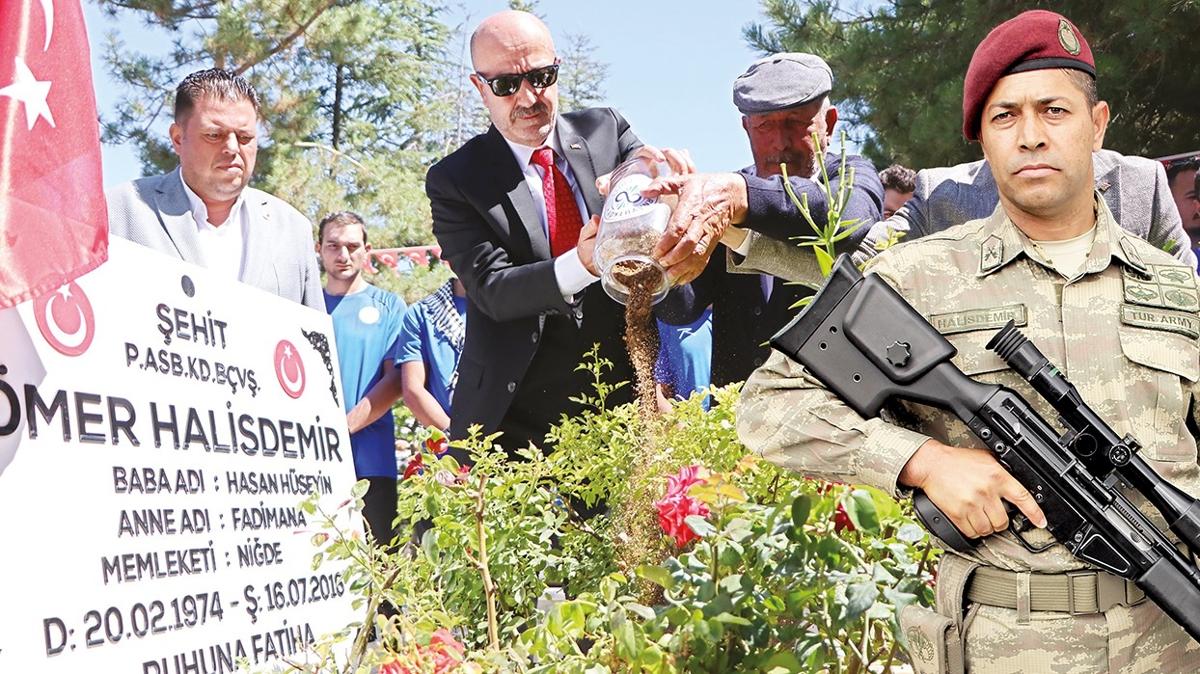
[781, 81]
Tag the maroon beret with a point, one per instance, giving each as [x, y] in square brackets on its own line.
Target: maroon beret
[1033, 40]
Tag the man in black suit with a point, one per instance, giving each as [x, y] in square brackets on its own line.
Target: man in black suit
[784, 100]
[509, 210]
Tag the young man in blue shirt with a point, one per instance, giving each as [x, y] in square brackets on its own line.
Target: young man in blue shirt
[431, 342]
[366, 325]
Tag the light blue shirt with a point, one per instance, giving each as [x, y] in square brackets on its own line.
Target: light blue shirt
[685, 356]
[366, 326]
[420, 340]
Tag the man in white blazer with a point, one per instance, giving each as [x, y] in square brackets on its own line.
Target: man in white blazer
[203, 212]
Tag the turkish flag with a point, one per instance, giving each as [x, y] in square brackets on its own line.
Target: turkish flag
[53, 219]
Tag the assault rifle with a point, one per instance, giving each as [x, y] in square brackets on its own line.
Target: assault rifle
[862, 340]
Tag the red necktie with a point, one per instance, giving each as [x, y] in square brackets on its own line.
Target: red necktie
[562, 214]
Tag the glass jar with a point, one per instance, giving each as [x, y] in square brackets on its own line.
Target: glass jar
[631, 225]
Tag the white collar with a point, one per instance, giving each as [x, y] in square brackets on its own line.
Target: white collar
[524, 153]
[200, 211]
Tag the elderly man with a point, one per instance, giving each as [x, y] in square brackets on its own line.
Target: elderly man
[509, 209]
[1052, 258]
[203, 212]
[784, 101]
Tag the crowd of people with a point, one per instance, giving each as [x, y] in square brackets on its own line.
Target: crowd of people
[1049, 229]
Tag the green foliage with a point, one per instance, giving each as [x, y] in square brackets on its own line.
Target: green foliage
[414, 284]
[775, 583]
[899, 67]
[581, 75]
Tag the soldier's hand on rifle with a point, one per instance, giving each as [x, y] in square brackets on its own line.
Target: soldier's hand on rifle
[968, 485]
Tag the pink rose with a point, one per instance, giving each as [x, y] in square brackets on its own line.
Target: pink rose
[676, 505]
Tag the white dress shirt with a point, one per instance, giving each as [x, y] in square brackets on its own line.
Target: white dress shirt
[223, 246]
[569, 272]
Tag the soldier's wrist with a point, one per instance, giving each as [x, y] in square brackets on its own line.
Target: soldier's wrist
[916, 471]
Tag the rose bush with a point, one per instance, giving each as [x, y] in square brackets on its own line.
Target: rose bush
[766, 571]
[761, 572]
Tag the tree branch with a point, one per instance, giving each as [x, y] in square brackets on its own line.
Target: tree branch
[288, 40]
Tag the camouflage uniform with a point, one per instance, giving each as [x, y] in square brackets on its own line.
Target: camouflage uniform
[1126, 332]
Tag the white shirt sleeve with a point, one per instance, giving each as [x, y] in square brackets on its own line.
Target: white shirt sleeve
[743, 248]
[571, 275]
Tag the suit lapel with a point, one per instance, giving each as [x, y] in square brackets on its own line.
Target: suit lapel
[1106, 185]
[175, 212]
[257, 237]
[575, 149]
[510, 180]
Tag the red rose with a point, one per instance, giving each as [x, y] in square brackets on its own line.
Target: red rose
[437, 445]
[841, 520]
[447, 652]
[677, 505]
[416, 466]
[444, 651]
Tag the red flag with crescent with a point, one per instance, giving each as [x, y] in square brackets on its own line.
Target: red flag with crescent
[53, 219]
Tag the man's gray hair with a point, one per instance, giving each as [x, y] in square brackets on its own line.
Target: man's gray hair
[212, 83]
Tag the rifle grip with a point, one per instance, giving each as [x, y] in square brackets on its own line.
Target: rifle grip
[939, 524]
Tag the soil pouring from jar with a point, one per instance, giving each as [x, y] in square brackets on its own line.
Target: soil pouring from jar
[641, 279]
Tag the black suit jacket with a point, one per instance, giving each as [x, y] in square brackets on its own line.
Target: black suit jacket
[742, 320]
[488, 226]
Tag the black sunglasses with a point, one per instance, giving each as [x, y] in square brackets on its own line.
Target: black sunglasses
[507, 85]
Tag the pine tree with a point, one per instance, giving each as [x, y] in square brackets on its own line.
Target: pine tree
[899, 68]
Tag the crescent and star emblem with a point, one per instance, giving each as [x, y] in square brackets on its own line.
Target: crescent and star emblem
[65, 319]
[289, 369]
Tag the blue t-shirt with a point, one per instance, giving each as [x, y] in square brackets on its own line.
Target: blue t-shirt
[421, 340]
[685, 356]
[366, 325]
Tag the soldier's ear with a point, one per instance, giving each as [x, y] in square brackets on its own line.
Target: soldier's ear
[1100, 114]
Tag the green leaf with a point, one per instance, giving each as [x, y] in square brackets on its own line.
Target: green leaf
[731, 585]
[641, 610]
[861, 509]
[783, 662]
[859, 597]
[730, 619]
[700, 526]
[824, 261]
[567, 619]
[898, 599]
[910, 533]
[801, 507]
[360, 488]
[653, 660]
[657, 575]
[626, 637]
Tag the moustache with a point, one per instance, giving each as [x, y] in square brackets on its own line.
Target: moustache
[538, 109]
[803, 165]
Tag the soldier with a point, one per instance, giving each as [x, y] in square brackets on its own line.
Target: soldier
[1118, 315]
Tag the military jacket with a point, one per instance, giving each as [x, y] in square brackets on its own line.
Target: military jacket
[1125, 332]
